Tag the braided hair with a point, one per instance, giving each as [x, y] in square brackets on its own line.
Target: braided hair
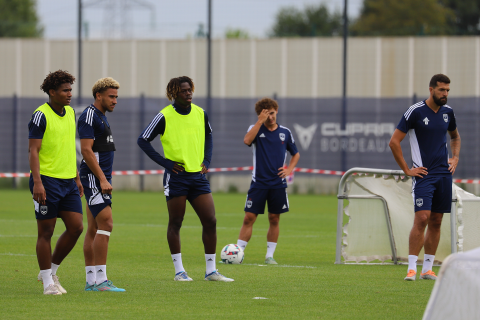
[173, 87]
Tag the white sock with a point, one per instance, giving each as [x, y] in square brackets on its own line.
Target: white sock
[270, 249]
[46, 277]
[427, 262]
[54, 268]
[177, 262]
[242, 244]
[412, 262]
[210, 261]
[100, 273]
[90, 272]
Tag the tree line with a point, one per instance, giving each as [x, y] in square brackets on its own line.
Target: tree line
[383, 18]
[18, 18]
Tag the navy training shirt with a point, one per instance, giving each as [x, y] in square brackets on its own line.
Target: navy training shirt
[269, 154]
[427, 131]
[90, 126]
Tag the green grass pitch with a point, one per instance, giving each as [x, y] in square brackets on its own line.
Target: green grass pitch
[305, 285]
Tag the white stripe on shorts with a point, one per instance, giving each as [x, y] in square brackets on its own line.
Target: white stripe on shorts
[166, 190]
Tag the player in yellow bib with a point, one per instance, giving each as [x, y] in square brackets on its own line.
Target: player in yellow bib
[186, 138]
[54, 181]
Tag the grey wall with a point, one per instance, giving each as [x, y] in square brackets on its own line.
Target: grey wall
[295, 68]
[305, 74]
[370, 123]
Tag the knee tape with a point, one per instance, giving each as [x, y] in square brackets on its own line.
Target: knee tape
[103, 232]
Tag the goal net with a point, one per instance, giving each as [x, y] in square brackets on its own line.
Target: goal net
[375, 216]
[456, 292]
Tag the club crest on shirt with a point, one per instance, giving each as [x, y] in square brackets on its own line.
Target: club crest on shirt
[419, 202]
[43, 210]
[249, 203]
[282, 136]
[445, 117]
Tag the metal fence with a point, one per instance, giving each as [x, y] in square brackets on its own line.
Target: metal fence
[304, 75]
[315, 124]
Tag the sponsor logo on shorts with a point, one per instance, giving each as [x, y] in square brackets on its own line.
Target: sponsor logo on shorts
[445, 117]
[43, 210]
[282, 136]
[419, 202]
[249, 203]
[106, 196]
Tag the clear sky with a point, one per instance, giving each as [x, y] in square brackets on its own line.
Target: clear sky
[168, 18]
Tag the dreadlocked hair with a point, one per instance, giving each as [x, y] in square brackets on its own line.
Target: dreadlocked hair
[173, 87]
[55, 79]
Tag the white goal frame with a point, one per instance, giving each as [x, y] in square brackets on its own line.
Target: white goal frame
[343, 195]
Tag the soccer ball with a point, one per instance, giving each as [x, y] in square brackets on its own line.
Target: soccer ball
[232, 254]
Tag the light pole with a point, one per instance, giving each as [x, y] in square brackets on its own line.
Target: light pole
[344, 89]
[209, 58]
[79, 45]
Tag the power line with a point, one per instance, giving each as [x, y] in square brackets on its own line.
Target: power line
[117, 16]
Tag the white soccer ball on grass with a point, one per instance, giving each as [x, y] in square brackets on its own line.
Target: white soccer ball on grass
[232, 254]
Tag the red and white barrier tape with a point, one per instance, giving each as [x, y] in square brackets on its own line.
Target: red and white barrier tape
[212, 170]
[474, 181]
[14, 175]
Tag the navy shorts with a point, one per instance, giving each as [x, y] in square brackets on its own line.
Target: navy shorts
[62, 195]
[277, 200]
[433, 193]
[191, 185]
[96, 201]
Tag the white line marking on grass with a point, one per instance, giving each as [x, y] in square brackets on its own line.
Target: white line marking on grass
[289, 266]
[16, 235]
[21, 236]
[17, 254]
[154, 225]
[278, 266]
[287, 236]
[141, 225]
[183, 226]
[259, 298]
[236, 228]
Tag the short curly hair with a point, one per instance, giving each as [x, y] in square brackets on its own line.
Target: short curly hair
[103, 84]
[265, 103]
[55, 79]
[173, 87]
